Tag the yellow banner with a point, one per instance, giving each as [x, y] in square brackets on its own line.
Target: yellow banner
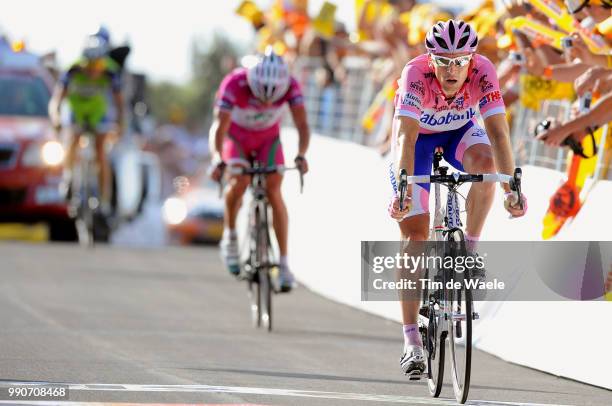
[251, 12]
[538, 31]
[325, 21]
[535, 89]
[372, 11]
[377, 108]
[556, 11]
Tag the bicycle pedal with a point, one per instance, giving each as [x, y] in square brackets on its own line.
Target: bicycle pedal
[234, 270]
[284, 289]
[415, 375]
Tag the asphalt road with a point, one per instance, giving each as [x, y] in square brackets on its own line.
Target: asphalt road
[170, 326]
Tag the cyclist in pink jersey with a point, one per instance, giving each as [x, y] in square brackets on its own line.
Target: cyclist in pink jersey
[437, 102]
[249, 107]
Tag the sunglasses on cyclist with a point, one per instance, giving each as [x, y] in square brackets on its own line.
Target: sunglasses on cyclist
[444, 62]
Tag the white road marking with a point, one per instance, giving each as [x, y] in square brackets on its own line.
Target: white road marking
[256, 391]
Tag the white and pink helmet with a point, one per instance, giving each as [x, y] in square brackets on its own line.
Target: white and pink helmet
[451, 37]
[269, 78]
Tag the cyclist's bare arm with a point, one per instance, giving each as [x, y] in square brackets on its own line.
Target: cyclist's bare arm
[55, 104]
[118, 98]
[301, 124]
[407, 135]
[499, 135]
[220, 127]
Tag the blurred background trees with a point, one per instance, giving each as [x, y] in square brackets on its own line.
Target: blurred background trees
[192, 102]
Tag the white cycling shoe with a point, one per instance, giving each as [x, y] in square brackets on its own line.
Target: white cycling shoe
[285, 279]
[230, 254]
[412, 362]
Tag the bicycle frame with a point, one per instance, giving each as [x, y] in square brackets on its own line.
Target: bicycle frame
[260, 262]
[259, 204]
[85, 187]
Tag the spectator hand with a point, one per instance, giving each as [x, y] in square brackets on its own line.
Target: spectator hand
[591, 80]
[580, 50]
[533, 63]
[553, 137]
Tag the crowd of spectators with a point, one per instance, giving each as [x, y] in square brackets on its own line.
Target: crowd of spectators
[544, 49]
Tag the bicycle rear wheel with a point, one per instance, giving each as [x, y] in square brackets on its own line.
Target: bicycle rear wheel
[460, 325]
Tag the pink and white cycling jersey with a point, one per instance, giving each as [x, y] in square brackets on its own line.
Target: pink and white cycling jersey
[420, 96]
[251, 117]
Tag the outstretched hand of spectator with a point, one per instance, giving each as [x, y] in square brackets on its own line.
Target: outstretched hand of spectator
[591, 80]
[533, 63]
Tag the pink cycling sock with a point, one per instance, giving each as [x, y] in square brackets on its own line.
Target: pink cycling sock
[471, 242]
[412, 336]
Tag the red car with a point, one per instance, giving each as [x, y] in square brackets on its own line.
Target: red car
[30, 155]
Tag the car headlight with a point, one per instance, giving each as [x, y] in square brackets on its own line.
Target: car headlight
[50, 153]
[174, 211]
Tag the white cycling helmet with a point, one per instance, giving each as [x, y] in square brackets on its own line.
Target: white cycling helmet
[95, 48]
[269, 77]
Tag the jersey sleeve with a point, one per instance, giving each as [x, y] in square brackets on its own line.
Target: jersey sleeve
[226, 96]
[294, 94]
[410, 95]
[486, 86]
[66, 77]
[115, 81]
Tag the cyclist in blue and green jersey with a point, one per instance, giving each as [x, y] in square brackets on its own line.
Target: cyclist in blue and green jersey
[86, 86]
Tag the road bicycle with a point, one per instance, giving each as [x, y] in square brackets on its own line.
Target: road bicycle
[447, 313]
[261, 260]
[84, 206]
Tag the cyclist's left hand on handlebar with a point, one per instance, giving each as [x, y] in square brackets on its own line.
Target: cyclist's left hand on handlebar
[511, 204]
[302, 163]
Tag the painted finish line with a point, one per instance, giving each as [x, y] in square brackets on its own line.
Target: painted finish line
[242, 390]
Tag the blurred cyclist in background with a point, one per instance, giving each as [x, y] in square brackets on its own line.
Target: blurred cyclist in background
[250, 105]
[435, 106]
[87, 85]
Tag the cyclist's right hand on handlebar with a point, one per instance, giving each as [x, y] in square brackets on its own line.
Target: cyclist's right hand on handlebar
[301, 163]
[217, 172]
[394, 207]
[511, 204]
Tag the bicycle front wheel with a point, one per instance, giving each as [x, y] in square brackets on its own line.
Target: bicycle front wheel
[433, 337]
[460, 324]
[265, 288]
[262, 266]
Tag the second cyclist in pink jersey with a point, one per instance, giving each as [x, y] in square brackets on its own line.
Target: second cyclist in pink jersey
[249, 107]
[437, 104]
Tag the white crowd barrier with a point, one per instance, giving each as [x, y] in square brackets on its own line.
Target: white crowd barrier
[345, 201]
